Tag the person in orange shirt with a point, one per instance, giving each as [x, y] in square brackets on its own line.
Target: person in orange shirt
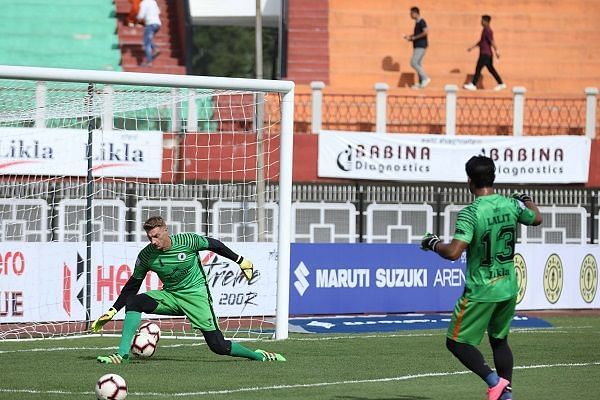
[133, 12]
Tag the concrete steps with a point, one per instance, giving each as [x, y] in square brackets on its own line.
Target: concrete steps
[170, 60]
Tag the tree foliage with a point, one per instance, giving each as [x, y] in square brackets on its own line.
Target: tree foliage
[230, 51]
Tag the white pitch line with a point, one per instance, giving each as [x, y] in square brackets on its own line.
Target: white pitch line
[354, 382]
[305, 339]
[103, 348]
[439, 333]
[305, 385]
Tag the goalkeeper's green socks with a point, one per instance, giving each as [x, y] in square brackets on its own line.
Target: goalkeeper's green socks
[237, 350]
[130, 325]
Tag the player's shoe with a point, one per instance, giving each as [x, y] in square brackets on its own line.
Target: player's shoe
[500, 87]
[425, 82]
[507, 394]
[113, 359]
[495, 392]
[269, 356]
[470, 86]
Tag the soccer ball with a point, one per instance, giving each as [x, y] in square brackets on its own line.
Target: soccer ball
[151, 328]
[144, 345]
[111, 387]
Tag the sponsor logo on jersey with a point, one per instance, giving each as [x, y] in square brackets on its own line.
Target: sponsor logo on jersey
[521, 274]
[588, 278]
[553, 278]
[181, 256]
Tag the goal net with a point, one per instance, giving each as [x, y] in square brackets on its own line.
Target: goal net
[86, 157]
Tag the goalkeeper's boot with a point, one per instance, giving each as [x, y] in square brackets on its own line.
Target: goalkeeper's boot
[507, 394]
[113, 359]
[269, 356]
[495, 392]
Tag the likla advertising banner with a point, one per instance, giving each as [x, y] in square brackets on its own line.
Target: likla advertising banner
[63, 152]
[439, 158]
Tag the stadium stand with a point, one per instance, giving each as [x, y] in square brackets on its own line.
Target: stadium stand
[169, 40]
[59, 33]
[546, 46]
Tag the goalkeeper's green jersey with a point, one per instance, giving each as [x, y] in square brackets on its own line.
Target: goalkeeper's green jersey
[489, 226]
[178, 268]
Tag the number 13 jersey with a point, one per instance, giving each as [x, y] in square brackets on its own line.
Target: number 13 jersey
[489, 226]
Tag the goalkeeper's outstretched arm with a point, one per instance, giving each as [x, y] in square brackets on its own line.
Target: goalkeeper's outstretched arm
[218, 247]
[130, 289]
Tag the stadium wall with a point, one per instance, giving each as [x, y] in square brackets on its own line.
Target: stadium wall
[594, 178]
[199, 166]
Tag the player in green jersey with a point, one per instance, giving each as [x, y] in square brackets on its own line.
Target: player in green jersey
[486, 229]
[174, 258]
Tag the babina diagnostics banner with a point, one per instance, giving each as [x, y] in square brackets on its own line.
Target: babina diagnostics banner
[435, 158]
[63, 152]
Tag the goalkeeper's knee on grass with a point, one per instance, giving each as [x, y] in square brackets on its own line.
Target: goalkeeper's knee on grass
[217, 343]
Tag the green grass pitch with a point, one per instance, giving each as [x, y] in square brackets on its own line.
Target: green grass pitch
[558, 363]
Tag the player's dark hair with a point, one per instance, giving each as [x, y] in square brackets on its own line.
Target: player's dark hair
[486, 18]
[482, 171]
[154, 222]
[415, 10]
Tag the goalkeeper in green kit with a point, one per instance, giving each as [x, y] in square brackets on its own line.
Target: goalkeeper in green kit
[174, 258]
[486, 228]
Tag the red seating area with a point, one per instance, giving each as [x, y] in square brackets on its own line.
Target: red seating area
[547, 46]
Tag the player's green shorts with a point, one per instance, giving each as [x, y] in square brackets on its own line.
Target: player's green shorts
[195, 304]
[471, 319]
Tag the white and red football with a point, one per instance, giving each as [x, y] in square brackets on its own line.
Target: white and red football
[144, 345]
[150, 328]
[111, 387]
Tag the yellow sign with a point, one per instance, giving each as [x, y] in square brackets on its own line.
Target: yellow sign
[521, 273]
[588, 278]
[553, 278]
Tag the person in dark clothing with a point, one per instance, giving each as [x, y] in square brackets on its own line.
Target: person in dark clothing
[486, 57]
[420, 43]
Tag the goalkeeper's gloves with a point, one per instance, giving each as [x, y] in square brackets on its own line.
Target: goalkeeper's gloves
[103, 319]
[247, 268]
[522, 197]
[429, 241]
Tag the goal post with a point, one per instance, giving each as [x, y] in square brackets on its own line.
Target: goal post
[87, 156]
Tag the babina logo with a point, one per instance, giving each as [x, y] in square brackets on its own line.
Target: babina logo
[384, 159]
[344, 159]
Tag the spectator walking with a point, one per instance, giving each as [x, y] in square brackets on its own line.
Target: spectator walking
[133, 12]
[486, 57]
[149, 15]
[420, 43]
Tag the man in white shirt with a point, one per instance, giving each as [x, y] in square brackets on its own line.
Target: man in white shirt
[149, 15]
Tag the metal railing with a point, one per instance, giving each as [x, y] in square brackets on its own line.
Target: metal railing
[379, 112]
[450, 114]
[402, 213]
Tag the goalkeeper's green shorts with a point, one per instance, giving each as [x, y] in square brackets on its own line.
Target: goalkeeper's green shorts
[471, 319]
[195, 304]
